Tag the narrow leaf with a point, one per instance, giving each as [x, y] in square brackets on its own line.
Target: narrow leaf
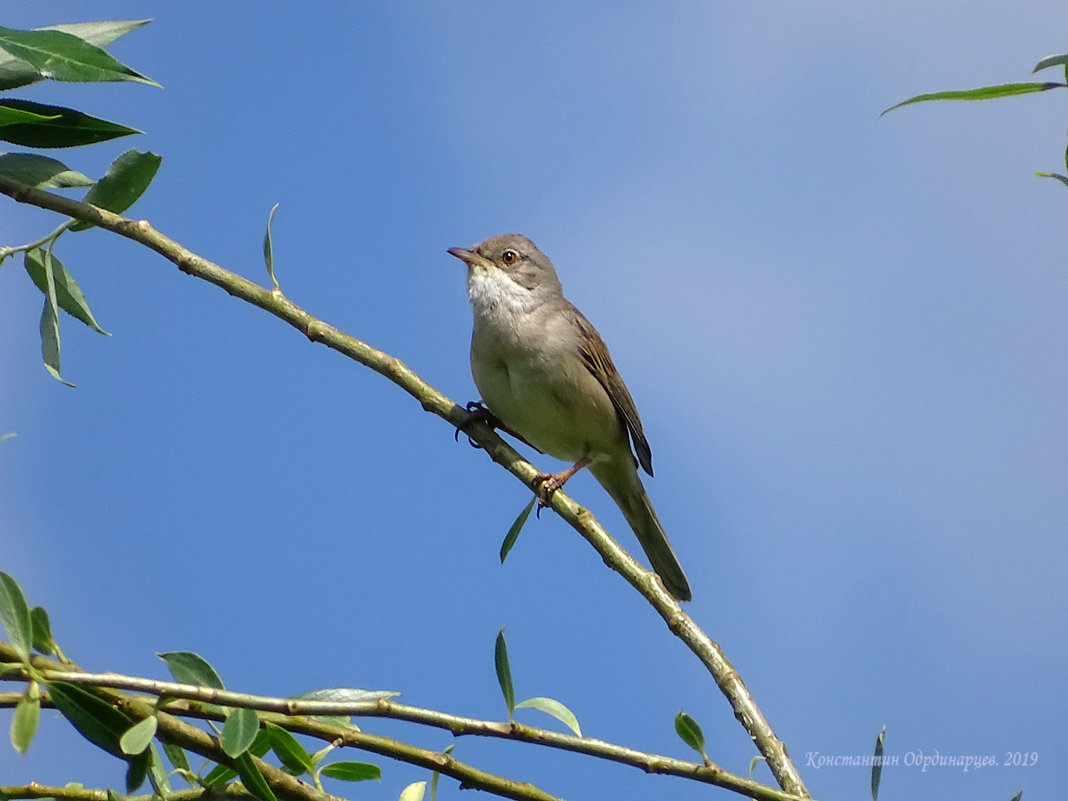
[138, 737]
[95, 719]
[413, 792]
[1062, 178]
[982, 93]
[157, 774]
[69, 295]
[7, 436]
[137, 770]
[42, 631]
[17, 116]
[125, 181]
[239, 731]
[690, 733]
[24, 721]
[1051, 61]
[550, 706]
[40, 171]
[177, 757]
[189, 668]
[290, 752]
[64, 57]
[252, 778]
[268, 247]
[1018, 796]
[58, 126]
[15, 615]
[877, 765]
[513, 532]
[504, 671]
[352, 771]
[50, 346]
[754, 762]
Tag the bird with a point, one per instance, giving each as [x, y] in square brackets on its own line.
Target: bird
[546, 375]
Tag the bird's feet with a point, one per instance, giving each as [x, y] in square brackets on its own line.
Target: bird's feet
[477, 413]
[545, 484]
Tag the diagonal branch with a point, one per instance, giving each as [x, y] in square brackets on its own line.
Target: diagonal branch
[582, 520]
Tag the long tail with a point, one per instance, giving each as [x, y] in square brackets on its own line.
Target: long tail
[625, 487]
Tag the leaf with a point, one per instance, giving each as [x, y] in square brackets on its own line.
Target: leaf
[413, 792]
[62, 56]
[1051, 61]
[189, 668]
[268, 247]
[690, 733]
[42, 631]
[436, 775]
[352, 771]
[40, 171]
[157, 774]
[177, 756]
[95, 719]
[69, 295]
[754, 762]
[57, 126]
[1062, 178]
[342, 695]
[504, 671]
[50, 347]
[239, 731]
[550, 706]
[15, 73]
[252, 778]
[125, 181]
[513, 532]
[137, 770]
[982, 93]
[17, 116]
[138, 737]
[24, 721]
[290, 752]
[7, 436]
[15, 615]
[877, 765]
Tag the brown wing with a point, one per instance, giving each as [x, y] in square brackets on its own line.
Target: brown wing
[599, 362]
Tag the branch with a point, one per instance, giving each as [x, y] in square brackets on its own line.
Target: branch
[582, 520]
[286, 709]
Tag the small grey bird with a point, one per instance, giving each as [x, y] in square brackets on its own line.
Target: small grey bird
[545, 373]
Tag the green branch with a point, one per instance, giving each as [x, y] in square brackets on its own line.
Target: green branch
[582, 520]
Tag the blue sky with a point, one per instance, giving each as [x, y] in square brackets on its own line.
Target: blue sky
[846, 336]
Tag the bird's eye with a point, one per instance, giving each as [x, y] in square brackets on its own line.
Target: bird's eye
[509, 256]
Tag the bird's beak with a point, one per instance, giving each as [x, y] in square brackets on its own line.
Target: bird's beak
[470, 258]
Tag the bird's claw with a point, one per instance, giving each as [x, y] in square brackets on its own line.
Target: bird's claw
[476, 413]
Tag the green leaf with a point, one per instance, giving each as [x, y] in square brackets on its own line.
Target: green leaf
[252, 778]
[7, 436]
[50, 347]
[189, 668]
[18, 116]
[15, 615]
[125, 181]
[290, 752]
[413, 792]
[69, 295]
[218, 776]
[352, 771]
[982, 93]
[504, 671]
[877, 765]
[57, 126]
[177, 757]
[690, 733]
[137, 770]
[64, 57]
[42, 631]
[436, 775]
[550, 706]
[268, 247]
[95, 719]
[1051, 61]
[1062, 178]
[343, 695]
[138, 737]
[24, 721]
[513, 532]
[239, 731]
[157, 774]
[754, 762]
[40, 171]
[15, 73]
